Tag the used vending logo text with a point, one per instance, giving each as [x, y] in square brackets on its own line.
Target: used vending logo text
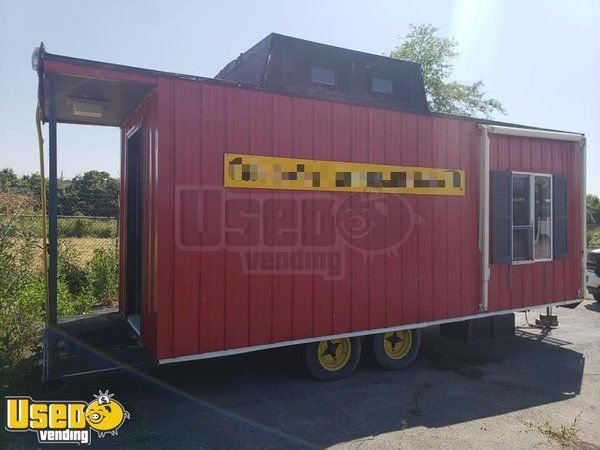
[65, 422]
[292, 233]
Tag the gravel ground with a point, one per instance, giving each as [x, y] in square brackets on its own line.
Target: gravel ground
[536, 389]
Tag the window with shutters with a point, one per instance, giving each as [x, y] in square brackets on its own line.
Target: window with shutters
[531, 217]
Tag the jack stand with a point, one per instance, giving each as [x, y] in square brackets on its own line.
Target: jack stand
[547, 321]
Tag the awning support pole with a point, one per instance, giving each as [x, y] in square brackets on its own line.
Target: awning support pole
[51, 356]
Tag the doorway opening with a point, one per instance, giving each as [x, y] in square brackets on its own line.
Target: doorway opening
[134, 228]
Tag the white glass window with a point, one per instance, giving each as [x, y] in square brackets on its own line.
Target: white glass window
[542, 217]
[531, 217]
[322, 75]
[522, 224]
[382, 85]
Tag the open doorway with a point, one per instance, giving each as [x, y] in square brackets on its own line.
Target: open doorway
[93, 208]
[134, 228]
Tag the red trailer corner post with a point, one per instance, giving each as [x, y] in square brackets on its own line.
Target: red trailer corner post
[306, 195]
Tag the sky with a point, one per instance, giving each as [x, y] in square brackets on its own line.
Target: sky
[540, 58]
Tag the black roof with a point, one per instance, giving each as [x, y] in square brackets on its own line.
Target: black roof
[283, 63]
[44, 55]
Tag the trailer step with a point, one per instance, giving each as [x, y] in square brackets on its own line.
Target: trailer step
[101, 342]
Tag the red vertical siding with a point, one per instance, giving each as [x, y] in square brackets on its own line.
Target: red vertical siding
[540, 283]
[342, 150]
[237, 283]
[396, 296]
[200, 295]
[209, 300]
[323, 289]
[283, 292]
[408, 155]
[166, 213]
[375, 153]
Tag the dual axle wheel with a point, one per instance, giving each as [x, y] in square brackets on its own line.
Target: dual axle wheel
[334, 359]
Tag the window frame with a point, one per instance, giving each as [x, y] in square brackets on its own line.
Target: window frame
[320, 83]
[532, 176]
[381, 77]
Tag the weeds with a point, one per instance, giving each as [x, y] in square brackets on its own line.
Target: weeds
[81, 286]
[87, 227]
[415, 405]
[18, 313]
[563, 434]
[593, 239]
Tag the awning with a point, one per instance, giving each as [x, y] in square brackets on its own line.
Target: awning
[88, 93]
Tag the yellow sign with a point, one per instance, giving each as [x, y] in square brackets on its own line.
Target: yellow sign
[270, 172]
[66, 422]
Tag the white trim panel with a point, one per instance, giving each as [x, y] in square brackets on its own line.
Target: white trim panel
[540, 134]
[583, 144]
[484, 219]
[412, 326]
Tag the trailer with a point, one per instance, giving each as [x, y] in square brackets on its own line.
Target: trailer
[307, 195]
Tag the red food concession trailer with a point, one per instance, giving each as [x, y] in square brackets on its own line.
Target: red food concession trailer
[306, 195]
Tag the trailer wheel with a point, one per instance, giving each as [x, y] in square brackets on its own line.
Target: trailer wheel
[396, 349]
[332, 359]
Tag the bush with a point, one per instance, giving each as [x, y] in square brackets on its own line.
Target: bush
[96, 283]
[20, 310]
[593, 239]
[104, 277]
[87, 227]
[22, 287]
[71, 274]
[73, 227]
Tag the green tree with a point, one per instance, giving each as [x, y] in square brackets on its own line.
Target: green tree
[8, 179]
[593, 211]
[436, 55]
[94, 193]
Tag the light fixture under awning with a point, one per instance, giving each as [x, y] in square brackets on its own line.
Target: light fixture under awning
[87, 108]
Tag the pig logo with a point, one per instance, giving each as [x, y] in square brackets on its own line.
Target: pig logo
[375, 224]
[105, 415]
[65, 422]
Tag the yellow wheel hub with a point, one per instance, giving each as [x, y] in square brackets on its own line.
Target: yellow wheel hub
[334, 354]
[397, 344]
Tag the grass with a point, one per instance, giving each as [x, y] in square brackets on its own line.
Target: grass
[87, 277]
[68, 227]
[415, 405]
[562, 434]
[86, 246]
[90, 227]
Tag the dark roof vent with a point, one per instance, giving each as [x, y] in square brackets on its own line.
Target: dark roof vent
[298, 67]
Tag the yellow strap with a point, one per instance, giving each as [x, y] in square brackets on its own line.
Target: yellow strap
[38, 124]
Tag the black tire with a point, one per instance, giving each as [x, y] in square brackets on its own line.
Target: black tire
[405, 356]
[329, 349]
[597, 297]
